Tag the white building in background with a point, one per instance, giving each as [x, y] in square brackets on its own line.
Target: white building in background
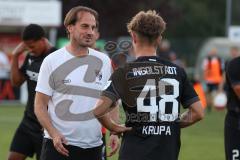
[16, 14]
[19, 13]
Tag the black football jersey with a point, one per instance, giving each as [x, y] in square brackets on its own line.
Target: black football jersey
[233, 78]
[151, 90]
[30, 69]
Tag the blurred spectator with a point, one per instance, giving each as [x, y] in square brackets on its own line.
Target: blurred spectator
[212, 70]
[234, 52]
[4, 66]
[164, 50]
[200, 92]
[174, 59]
[118, 60]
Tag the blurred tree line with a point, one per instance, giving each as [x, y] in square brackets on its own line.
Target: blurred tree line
[189, 22]
[185, 18]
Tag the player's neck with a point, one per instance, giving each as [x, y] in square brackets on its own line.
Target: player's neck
[144, 51]
[77, 50]
[47, 47]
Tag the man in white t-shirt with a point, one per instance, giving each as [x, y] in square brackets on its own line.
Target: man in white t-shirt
[69, 83]
[4, 66]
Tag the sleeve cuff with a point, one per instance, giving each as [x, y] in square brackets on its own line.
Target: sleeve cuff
[110, 95]
[234, 83]
[187, 103]
[44, 91]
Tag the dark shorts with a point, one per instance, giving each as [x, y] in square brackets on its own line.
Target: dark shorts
[27, 142]
[75, 153]
[212, 87]
[149, 148]
[232, 137]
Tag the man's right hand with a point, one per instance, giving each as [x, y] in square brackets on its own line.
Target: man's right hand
[58, 141]
[118, 129]
[21, 47]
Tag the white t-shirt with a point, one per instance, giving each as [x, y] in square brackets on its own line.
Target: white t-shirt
[72, 89]
[4, 65]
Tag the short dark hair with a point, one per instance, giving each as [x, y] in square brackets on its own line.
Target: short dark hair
[33, 32]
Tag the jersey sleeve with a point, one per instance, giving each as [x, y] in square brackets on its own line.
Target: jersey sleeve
[233, 72]
[189, 96]
[44, 78]
[112, 89]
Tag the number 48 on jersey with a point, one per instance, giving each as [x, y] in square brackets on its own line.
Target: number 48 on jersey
[160, 106]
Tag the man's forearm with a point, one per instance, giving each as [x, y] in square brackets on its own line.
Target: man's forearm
[17, 78]
[107, 122]
[40, 109]
[114, 114]
[192, 115]
[188, 118]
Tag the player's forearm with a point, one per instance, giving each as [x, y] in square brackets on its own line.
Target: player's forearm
[192, 115]
[186, 119]
[103, 106]
[40, 109]
[107, 122]
[114, 114]
[17, 78]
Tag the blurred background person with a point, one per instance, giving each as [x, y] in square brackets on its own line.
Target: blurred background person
[28, 137]
[4, 65]
[212, 74]
[164, 49]
[174, 59]
[234, 53]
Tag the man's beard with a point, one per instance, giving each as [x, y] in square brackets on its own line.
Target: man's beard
[85, 43]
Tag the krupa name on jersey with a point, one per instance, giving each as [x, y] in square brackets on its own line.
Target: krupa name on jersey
[151, 70]
[156, 130]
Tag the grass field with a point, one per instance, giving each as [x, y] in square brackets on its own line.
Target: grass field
[204, 141]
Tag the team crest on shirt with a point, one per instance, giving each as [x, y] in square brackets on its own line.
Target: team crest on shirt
[99, 76]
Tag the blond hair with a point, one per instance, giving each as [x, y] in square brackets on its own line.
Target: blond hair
[149, 25]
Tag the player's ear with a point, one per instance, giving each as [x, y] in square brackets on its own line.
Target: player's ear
[134, 37]
[97, 35]
[159, 39]
[70, 28]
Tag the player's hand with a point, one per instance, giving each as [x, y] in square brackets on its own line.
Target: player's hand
[58, 141]
[113, 144]
[21, 47]
[118, 129]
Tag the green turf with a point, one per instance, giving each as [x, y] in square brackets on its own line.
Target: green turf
[203, 141]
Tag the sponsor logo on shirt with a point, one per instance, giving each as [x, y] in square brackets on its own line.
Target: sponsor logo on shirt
[151, 70]
[30, 61]
[66, 81]
[32, 75]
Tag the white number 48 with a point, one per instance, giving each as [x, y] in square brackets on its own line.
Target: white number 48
[161, 106]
